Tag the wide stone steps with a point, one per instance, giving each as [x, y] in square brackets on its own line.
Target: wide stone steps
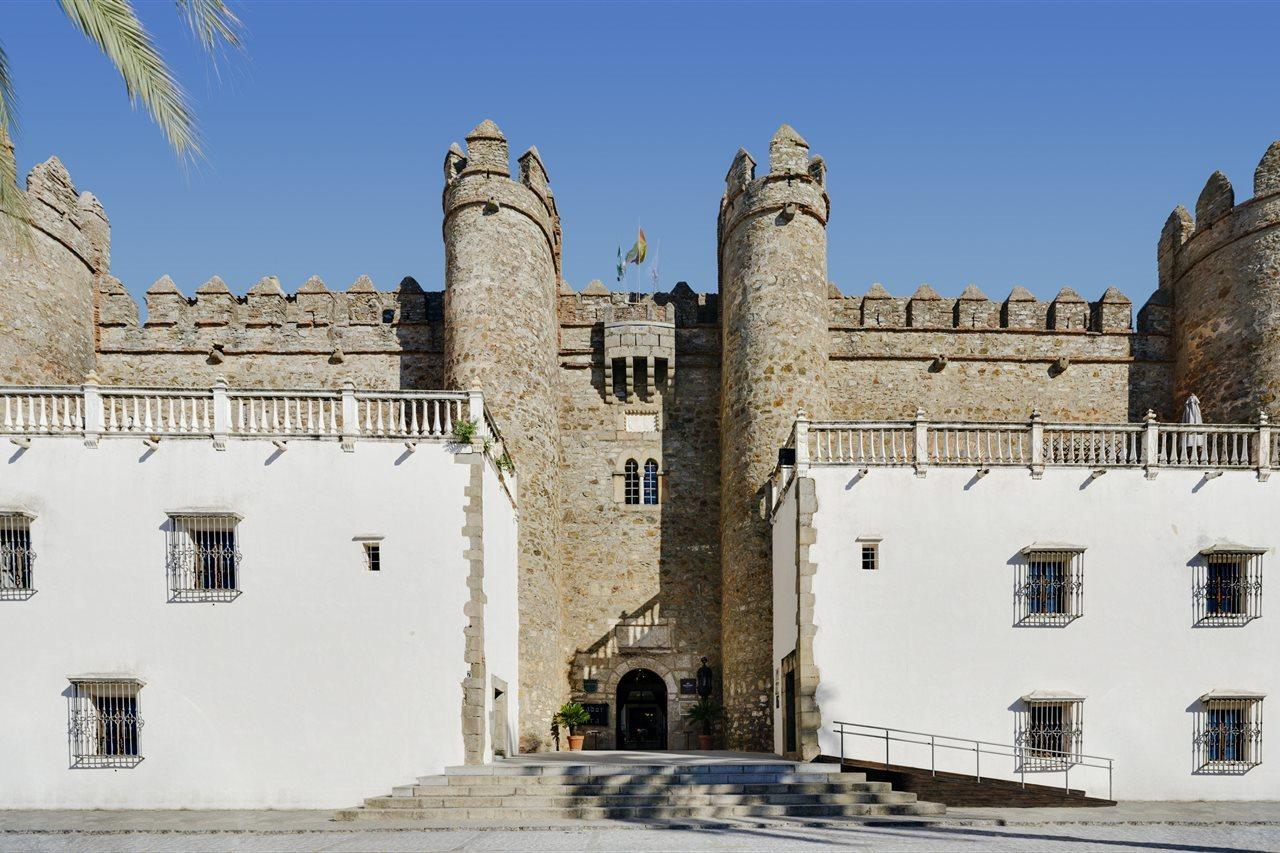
[553, 791]
[573, 789]
[645, 812]
[674, 798]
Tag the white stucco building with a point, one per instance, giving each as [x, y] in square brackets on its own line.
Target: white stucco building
[223, 599]
[1076, 594]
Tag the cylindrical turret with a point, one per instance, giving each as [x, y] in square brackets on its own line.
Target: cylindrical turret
[1223, 270]
[47, 281]
[502, 259]
[773, 292]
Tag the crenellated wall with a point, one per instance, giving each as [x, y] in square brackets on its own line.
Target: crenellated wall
[1222, 271]
[47, 275]
[974, 358]
[314, 337]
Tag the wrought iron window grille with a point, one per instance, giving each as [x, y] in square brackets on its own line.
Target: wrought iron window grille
[1228, 738]
[203, 557]
[1050, 586]
[1228, 586]
[1050, 733]
[104, 722]
[17, 558]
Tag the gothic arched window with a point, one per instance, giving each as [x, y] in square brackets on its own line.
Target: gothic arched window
[651, 482]
[631, 482]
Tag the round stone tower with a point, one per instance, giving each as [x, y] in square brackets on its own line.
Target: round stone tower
[48, 277]
[502, 268]
[1223, 271]
[773, 291]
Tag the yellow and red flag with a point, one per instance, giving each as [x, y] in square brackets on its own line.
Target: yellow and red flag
[639, 250]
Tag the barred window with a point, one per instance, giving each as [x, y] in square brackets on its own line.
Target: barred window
[651, 482]
[104, 721]
[1050, 730]
[631, 482]
[16, 556]
[1228, 732]
[1051, 584]
[203, 557]
[1228, 586]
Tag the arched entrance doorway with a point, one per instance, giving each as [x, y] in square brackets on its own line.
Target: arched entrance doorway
[642, 711]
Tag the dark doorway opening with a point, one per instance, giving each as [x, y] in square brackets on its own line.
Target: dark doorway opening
[642, 711]
[790, 727]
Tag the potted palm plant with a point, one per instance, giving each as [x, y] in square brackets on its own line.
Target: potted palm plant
[571, 716]
[705, 712]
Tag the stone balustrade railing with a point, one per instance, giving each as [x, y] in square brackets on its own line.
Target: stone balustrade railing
[1035, 445]
[219, 413]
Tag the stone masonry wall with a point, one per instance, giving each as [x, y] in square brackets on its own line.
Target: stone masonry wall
[501, 241]
[313, 338]
[653, 567]
[1223, 271]
[47, 281]
[773, 283]
[974, 359]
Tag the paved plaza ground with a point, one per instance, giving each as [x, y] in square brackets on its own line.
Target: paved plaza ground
[1190, 827]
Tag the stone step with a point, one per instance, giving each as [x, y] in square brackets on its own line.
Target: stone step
[733, 778]
[558, 769]
[645, 812]
[834, 786]
[632, 800]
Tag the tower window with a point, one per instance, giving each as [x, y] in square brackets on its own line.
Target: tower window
[373, 556]
[104, 722]
[651, 482]
[203, 557]
[631, 482]
[16, 555]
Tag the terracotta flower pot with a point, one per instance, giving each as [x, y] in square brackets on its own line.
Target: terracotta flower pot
[575, 742]
[706, 742]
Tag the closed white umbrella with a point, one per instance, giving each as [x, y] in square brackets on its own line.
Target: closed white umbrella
[1192, 443]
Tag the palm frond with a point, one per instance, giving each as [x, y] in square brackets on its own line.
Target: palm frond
[12, 199]
[113, 26]
[212, 22]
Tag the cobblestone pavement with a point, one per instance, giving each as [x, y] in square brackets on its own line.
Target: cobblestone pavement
[1193, 839]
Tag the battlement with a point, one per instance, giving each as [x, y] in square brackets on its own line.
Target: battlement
[1219, 221]
[480, 176]
[76, 221]
[216, 323]
[972, 310]
[597, 304]
[795, 184]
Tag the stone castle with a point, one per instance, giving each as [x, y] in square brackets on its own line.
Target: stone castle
[589, 385]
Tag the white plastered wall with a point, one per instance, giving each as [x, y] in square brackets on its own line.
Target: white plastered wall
[321, 684]
[928, 642]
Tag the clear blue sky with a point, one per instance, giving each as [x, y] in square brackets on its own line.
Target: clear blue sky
[1002, 144]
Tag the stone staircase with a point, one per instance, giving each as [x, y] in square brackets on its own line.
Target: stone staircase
[556, 790]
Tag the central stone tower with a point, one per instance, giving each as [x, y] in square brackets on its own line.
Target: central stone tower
[502, 269]
[773, 289]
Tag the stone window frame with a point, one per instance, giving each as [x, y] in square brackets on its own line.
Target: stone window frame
[641, 457]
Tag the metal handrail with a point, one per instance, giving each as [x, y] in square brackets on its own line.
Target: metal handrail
[889, 734]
